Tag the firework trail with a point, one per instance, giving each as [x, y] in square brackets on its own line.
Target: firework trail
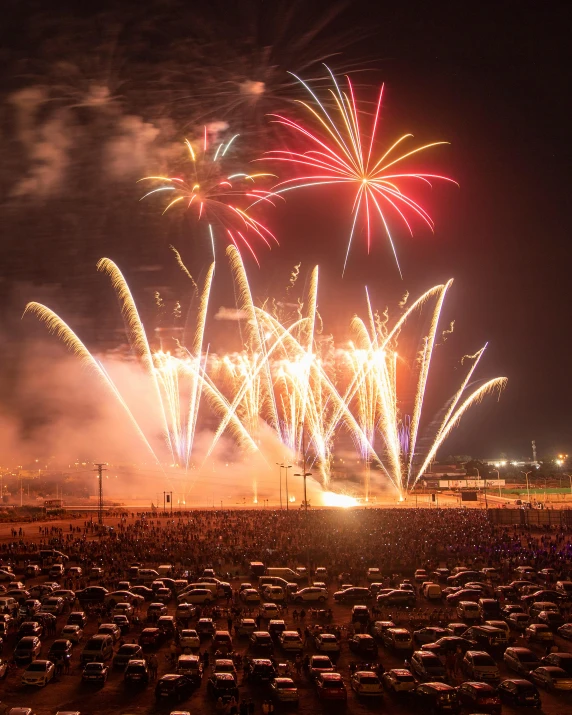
[288, 382]
[340, 154]
[212, 196]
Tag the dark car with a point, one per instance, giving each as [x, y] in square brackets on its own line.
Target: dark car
[465, 594]
[353, 594]
[147, 593]
[222, 685]
[91, 594]
[521, 660]
[427, 666]
[27, 650]
[136, 672]
[167, 626]
[448, 644]
[173, 687]
[480, 697]
[520, 693]
[319, 664]
[397, 597]
[95, 673]
[125, 653]
[437, 698]
[61, 648]
[261, 670]
[30, 628]
[261, 642]
[429, 634]
[543, 595]
[560, 660]
[360, 614]
[363, 644]
[150, 637]
[77, 618]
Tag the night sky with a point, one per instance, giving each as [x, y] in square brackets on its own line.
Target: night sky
[492, 78]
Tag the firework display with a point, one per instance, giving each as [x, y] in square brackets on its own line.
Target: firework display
[343, 154]
[211, 195]
[291, 381]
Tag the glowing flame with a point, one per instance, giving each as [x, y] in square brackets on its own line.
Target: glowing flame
[339, 500]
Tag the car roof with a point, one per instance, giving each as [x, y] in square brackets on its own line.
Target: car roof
[223, 676]
[440, 686]
[330, 676]
[477, 685]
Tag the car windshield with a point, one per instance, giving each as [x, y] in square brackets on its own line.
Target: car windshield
[527, 657]
[483, 660]
[266, 639]
[225, 684]
[334, 684]
[136, 668]
[94, 666]
[368, 680]
[27, 645]
[401, 636]
[405, 678]
[59, 646]
[431, 662]
[36, 667]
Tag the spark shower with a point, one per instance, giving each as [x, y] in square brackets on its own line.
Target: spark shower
[293, 382]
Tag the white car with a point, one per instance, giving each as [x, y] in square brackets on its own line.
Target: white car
[40, 672]
[72, 633]
[311, 593]
[201, 596]
[291, 641]
[366, 683]
[189, 639]
[110, 629]
[269, 610]
[399, 680]
[326, 643]
[374, 574]
[123, 609]
[552, 678]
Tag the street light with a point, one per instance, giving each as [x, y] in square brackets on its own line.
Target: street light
[286, 467]
[305, 474]
[527, 485]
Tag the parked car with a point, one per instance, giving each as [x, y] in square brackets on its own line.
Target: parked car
[245, 627]
[27, 650]
[40, 672]
[427, 666]
[363, 644]
[565, 631]
[519, 693]
[539, 633]
[95, 673]
[479, 665]
[366, 684]
[480, 697]
[437, 698]
[61, 648]
[189, 638]
[521, 660]
[398, 639]
[136, 672]
[353, 594]
[430, 634]
[222, 685]
[560, 660]
[319, 664]
[72, 633]
[291, 642]
[284, 690]
[551, 678]
[191, 666]
[360, 614]
[261, 670]
[311, 593]
[397, 598]
[330, 686]
[261, 641]
[150, 637]
[399, 680]
[327, 643]
[173, 687]
[125, 653]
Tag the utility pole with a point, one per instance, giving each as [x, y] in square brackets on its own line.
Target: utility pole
[100, 471]
[286, 467]
[304, 473]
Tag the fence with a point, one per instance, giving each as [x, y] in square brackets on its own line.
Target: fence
[531, 517]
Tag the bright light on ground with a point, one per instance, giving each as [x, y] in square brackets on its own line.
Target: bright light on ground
[341, 500]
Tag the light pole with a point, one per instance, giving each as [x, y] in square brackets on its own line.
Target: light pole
[527, 485]
[570, 480]
[286, 467]
[304, 473]
[498, 477]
